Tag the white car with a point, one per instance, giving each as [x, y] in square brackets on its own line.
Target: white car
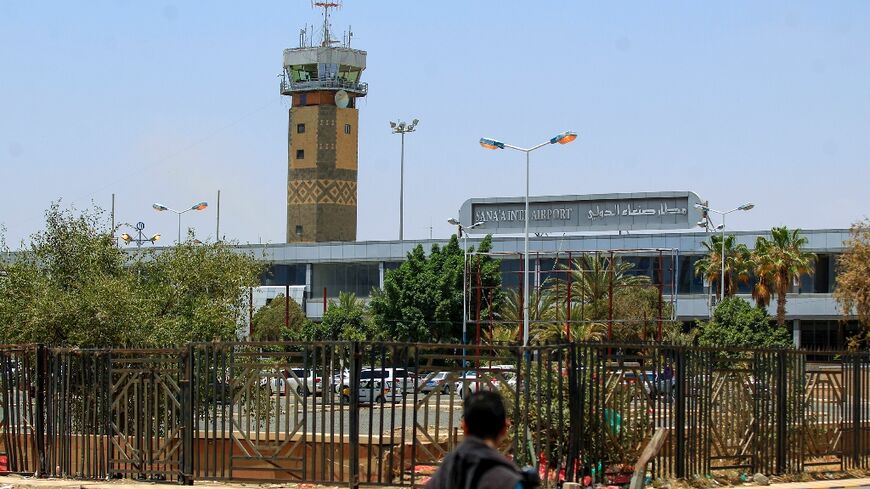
[402, 377]
[379, 392]
[295, 380]
[486, 378]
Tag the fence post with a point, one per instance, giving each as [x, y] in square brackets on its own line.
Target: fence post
[355, 365]
[187, 449]
[39, 422]
[856, 409]
[782, 411]
[576, 400]
[680, 407]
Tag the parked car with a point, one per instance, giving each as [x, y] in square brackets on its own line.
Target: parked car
[661, 384]
[438, 382]
[406, 378]
[379, 392]
[296, 380]
[486, 378]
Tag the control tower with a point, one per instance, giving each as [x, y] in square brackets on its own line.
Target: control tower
[323, 80]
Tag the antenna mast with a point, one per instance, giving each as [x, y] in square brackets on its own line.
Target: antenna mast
[336, 4]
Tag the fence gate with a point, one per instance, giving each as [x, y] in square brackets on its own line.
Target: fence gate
[270, 411]
[147, 416]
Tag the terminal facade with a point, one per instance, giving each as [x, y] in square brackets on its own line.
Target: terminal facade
[323, 270]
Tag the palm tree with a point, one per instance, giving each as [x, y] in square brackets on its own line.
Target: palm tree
[349, 302]
[540, 310]
[781, 261]
[737, 264]
[592, 277]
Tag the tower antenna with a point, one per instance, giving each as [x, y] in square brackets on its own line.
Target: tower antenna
[336, 4]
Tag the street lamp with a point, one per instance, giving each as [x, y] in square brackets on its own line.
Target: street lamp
[402, 128]
[140, 239]
[195, 207]
[488, 143]
[464, 237]
[745, 207]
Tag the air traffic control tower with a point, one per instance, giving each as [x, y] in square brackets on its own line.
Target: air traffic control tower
[322, 137]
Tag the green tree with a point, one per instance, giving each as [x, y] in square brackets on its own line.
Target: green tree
[72, 285]
[853, 280]
[737, 324]
[779, 261]
[737, 264]
[196, 291]
[346, 319]
[269, 320]
[422, 299]
[593, 276]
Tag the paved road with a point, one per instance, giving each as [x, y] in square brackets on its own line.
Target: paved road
[316, 416]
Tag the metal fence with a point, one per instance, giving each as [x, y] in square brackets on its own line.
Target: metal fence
[387, 414]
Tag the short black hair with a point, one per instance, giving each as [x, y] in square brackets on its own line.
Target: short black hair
[484, 414]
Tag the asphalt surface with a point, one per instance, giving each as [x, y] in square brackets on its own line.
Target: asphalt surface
[315, 415]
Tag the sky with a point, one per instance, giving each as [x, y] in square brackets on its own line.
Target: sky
[162, 101]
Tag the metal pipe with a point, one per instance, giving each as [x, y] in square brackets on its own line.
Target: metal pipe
[722, 287]
[464, 287]
[217, 232]
[526, 260]
[402, 190]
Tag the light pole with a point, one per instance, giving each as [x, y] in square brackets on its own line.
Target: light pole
[195, 207]
[402, 128]
[745, 207]
[487, 143]
[464, 237]
[140, 239]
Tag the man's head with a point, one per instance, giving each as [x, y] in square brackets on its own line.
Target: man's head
[484, 416]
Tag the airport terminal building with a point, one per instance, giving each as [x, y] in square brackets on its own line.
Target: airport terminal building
[637, 225]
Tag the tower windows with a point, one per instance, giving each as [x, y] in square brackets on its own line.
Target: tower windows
[300, 154]
[300, 128]
[347, 128]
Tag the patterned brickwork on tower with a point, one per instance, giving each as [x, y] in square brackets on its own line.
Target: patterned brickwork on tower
[322, 140]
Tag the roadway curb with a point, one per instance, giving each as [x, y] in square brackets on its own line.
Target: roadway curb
[863, 483]
[19, 482]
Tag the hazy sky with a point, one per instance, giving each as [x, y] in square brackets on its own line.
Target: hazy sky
[766, 102]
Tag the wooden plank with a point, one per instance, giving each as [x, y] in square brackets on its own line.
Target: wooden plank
[652, 448]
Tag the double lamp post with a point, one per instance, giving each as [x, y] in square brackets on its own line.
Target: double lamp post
[704, 223]
[199, 206]
[489, 143]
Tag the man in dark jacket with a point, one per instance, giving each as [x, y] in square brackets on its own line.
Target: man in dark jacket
[475, 463]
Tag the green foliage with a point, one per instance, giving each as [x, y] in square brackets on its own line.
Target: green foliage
[737, 324]
[779, 261]
[738, 263]
[775, 263]
[422, 299]
[346, 319]
[269, 324]
[72, 285]
[635, 305]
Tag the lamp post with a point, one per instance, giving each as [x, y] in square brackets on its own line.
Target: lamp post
[402, 128]
[745, 207]
[140, 238]
[488, 143]
[195, 207]
[464, 237]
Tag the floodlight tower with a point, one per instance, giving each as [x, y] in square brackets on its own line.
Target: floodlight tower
[322, 139]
